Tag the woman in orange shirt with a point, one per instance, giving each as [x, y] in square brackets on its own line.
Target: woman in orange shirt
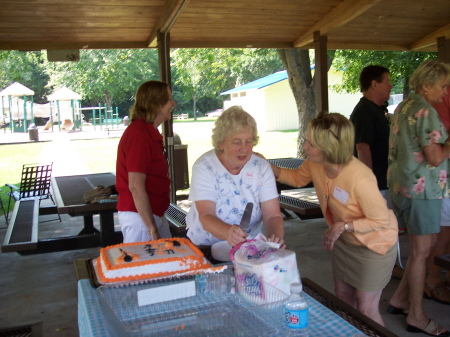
[362, 232]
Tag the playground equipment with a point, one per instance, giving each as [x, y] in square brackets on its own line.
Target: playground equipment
[102, 116]
[66, 105]
[17, 107]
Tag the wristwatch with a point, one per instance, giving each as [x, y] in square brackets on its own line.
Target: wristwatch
[346, 227]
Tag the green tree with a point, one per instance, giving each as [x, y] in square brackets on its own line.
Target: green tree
[205, 73]
[106, 76]
[401, 65]
[27, 68]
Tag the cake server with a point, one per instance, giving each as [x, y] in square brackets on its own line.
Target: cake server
[245, 221]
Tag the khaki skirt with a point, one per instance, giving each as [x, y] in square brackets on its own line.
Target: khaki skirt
[362, 268]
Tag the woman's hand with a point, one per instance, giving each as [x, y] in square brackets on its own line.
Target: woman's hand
[331, 235]
[275, 239]
[236, 235]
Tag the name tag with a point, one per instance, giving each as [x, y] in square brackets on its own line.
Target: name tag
[340, 195]
[249, 178]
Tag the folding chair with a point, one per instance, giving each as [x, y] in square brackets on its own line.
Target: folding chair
[35, 183]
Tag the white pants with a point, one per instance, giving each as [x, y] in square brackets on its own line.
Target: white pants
[134, 230]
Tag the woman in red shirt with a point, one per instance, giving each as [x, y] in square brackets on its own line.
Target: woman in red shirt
[142, 172]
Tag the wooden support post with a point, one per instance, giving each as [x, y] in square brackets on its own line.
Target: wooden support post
[165, 75]
[443, 46]
[320, 71]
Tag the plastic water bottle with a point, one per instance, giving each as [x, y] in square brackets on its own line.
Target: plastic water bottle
[296, 309]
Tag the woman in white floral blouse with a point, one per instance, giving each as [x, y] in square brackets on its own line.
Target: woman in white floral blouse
[417, 179]
[228, 177]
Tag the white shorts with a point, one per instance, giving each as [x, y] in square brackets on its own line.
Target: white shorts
[445, 212]
[134, 230]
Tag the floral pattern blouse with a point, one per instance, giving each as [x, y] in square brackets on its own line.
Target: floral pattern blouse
[415, 125]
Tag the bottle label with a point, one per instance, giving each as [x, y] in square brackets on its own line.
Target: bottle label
[296, 319]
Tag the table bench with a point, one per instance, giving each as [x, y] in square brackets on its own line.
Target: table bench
[114, 131]
[182, 116]
[22, 232]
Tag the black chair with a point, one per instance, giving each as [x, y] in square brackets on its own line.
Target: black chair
[35, 183]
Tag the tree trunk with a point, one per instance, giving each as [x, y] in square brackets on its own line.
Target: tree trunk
[406, 88]
[298, 67]
[194, 100]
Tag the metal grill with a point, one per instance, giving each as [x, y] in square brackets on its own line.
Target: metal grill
[72, 188]
[176, 215]
[22, 231]
[290, 163]
[297, 202]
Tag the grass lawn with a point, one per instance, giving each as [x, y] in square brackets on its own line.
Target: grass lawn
[100, 154]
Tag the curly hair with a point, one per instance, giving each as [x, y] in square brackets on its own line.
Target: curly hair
[333, 134]
[429, 73]
[231, 121]
[150, 96]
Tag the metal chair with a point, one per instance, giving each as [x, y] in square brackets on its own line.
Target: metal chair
[35, 183]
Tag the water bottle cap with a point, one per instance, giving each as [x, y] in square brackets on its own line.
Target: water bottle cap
[296, 287]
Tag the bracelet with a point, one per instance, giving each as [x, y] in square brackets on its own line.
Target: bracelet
[153, 232]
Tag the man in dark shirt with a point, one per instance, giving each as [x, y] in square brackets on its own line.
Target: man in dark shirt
[371, 123]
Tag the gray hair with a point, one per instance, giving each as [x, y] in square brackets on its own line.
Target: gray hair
[429, 73]
[231, 121]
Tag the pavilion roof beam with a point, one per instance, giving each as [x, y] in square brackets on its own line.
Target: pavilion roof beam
[430, 39]
[345, 12]
[166, 20]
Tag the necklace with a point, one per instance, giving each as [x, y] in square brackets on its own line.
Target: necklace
[329, 182]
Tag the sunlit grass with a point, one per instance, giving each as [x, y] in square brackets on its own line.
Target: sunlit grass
[100, 154]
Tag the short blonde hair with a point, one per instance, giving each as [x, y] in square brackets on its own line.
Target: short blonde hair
[333, 134]
[150, 97]
[231, 121]
[429, 73]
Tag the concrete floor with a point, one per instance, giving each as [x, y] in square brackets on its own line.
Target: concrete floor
[43, 287]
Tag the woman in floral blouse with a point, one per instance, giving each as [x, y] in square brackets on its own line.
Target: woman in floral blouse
[417, 179]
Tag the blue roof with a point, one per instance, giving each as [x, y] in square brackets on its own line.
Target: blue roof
[260, 83]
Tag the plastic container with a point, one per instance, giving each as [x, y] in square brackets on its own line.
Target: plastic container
[296, 308]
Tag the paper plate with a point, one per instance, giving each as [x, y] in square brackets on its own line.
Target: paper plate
[220, 251]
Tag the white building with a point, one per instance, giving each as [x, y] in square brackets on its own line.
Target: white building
[271, 102]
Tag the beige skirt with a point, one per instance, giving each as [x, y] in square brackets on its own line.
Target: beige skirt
[362, 268]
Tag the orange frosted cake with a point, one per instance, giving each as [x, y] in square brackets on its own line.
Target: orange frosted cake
[143, 260]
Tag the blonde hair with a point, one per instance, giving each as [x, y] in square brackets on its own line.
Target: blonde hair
[333, 134]
[429, 73]
[150, 96]
[231, 121]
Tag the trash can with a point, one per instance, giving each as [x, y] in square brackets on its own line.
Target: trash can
[126, 121]
[180, 159]
[33, 133]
